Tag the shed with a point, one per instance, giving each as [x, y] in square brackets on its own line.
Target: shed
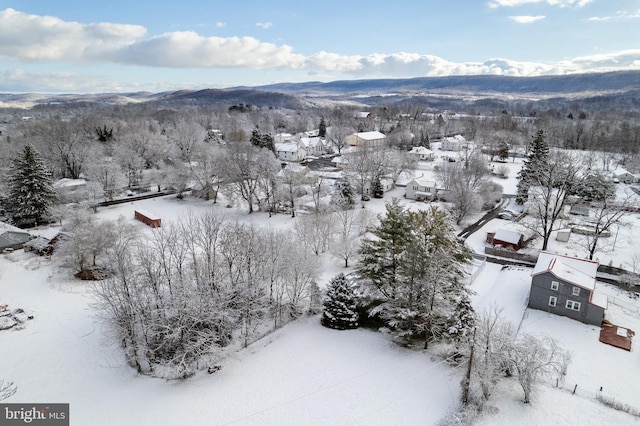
[148, 218]
[506, 238]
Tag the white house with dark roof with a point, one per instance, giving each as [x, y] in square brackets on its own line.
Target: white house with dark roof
[566, 286]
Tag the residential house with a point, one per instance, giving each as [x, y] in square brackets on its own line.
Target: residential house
[625, 176]
[506, 238]
[422, 153]
[340, 162]
[455, 143]
[366, 139]
[420, 189]
[362, 115]
[12, 238]
[566, 286]
[290, 151]
[282, 137]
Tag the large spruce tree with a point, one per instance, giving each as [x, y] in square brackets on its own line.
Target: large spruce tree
[30, 186]
[536, 163]
[340, 305]
[414, 272]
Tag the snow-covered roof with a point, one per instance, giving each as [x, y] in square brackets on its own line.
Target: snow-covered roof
[369, 136]
[5, 227]
[420, 150]
[424, 182]
[508, 236]
[340, 160]
[580, 272]
[310, 141]
[286, 147]
[69, 183]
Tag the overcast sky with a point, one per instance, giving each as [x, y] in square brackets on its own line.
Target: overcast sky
[139, 45]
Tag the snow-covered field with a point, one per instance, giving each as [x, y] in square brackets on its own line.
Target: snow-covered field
[303, 373]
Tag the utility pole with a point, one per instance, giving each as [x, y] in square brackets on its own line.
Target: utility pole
[467, 379]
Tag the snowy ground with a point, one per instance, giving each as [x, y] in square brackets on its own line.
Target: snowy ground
[303, 373]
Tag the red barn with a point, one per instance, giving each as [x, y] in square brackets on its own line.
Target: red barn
[506, 238]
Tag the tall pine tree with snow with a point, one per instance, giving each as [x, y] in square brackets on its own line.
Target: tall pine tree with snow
[536, 162]
[413, 275]
[30, 187]
[340, 305]
[322, 129]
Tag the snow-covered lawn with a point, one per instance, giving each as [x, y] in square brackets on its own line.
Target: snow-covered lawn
[301, 374]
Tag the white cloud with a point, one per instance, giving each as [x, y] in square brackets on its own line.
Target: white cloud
[221, 24]
[264, 25]
[187, 49]
[562, 3]
[33, 37]
[525, 19]
[623, 15]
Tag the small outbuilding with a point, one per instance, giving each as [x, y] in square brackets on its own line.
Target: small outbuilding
[148, 218]
[506, 238]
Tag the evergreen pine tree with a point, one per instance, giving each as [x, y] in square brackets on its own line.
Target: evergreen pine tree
[381, 256]
[340, 305]
[30, 186]
[322, 128]
[343, 197]
[262, 140]
[376, 188]
[463, 320]
[536, 162]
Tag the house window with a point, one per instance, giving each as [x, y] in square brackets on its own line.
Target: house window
[574, 306]
[553, 301]
[554, 285]
[576, 291]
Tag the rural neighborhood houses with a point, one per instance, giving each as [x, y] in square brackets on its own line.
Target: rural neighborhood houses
[565, 286]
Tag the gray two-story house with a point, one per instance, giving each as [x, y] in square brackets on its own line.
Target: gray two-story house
[564, 285]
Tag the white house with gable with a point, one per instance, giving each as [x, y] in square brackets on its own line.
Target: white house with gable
[455, 143]
[421, 189]
[290, 151]
[422, 153]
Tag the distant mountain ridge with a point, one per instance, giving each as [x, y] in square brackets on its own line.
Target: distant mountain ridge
[619, 89]
[550, 85]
